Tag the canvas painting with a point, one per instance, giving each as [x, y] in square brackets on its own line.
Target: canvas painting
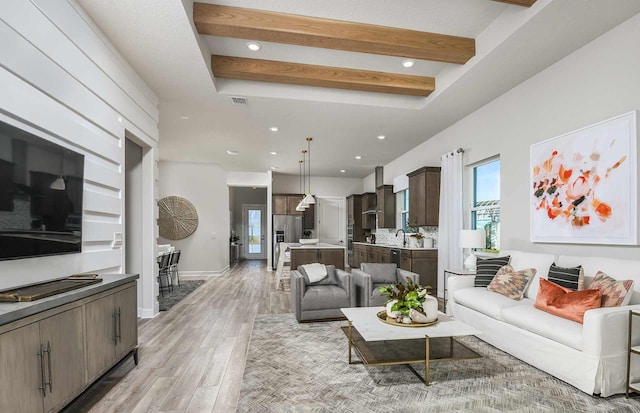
[584, 187]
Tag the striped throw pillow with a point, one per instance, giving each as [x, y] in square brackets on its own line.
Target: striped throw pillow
[571, 278]
[487, 268]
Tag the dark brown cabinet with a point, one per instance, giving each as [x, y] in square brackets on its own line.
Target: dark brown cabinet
[292, 202]
[327, 256]
[424, 197]
[285, 204]
[425, 263]
[386, 204]
[279, 205]
[368, 210]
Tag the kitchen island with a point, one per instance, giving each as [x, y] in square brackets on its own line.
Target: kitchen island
[328, 254]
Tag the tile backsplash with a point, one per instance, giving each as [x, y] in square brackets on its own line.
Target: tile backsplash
[388, 236]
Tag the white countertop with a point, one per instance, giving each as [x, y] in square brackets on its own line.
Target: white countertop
[400, 247]
[320, 245]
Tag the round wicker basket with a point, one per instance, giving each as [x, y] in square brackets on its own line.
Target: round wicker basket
[178, 218]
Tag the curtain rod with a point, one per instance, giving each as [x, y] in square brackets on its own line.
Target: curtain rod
[459, 150]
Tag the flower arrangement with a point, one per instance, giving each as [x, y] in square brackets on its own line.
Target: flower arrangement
[417, 235]
[403, 299]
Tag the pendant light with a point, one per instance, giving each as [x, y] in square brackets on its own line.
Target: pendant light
[309, 199]
[59, 184]
[300, 207]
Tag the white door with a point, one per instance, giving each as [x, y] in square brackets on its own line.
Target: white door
[254, 232]
[330, 220]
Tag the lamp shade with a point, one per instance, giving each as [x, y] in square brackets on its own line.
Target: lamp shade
[301, 206]
[58, 184]
[472, 238]
[309, 199]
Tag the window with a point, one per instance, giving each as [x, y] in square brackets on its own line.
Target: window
[485, 212]
[402, 206]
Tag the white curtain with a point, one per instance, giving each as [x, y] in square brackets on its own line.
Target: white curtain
[449, 254]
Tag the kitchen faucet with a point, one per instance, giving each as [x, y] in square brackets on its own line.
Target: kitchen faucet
[404, 237]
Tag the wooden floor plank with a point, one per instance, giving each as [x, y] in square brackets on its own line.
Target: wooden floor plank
[192, 357]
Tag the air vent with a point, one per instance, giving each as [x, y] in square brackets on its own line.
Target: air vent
[239, 100]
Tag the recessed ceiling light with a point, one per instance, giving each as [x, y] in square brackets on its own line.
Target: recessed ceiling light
[230, 152]
[273, 153]
[184, 117]
[273, 168]
[358, 157]
[342, 170]
[273, 129]
[381, 137]
[408, 63]
[254, 46]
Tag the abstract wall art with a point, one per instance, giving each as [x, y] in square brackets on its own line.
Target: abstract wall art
[584, 187]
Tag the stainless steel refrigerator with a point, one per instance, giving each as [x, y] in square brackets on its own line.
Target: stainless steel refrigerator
[286, 228]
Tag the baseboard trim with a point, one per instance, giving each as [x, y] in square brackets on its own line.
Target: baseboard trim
[211, 273]
[146, 313]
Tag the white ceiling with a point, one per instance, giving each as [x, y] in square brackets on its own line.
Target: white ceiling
[158, 38]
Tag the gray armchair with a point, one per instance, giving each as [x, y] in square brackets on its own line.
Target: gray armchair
[322, 299]
[370, 276]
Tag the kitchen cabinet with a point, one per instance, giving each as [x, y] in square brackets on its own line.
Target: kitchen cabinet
[424, 197]
[425, 263]
[332, 257]
[405, 260]
[279, 204]
[292, 203]
[368, 210]
[309, 217]
[327, 256]
[111, 326]
[386, 204]
[355, 217]
[285, 204]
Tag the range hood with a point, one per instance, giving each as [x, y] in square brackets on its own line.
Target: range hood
[379, 182]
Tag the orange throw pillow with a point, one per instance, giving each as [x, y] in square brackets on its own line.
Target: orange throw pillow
[566, 303]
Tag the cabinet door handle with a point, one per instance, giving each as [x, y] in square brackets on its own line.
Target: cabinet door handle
[115, 326]
[49, 365]
[119, 326]
[43, 387]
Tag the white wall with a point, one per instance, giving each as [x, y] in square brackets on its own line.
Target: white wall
[320, 186]
[62, 80]
[594, 83]
[205, 186]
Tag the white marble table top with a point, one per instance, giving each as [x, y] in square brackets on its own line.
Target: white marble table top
[365, 320]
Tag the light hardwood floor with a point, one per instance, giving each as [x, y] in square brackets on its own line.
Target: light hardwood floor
[192, 357]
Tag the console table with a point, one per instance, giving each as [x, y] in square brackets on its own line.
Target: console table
[54, 348]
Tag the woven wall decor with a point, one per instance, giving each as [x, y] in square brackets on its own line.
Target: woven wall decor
[178, 217]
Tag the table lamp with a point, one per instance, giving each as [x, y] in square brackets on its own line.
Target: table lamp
[471, 238]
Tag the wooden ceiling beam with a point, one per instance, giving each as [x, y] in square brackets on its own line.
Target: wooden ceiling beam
[524, 3]
[320, 76]
[250, 24]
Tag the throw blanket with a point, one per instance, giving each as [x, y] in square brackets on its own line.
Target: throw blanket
[315, 272]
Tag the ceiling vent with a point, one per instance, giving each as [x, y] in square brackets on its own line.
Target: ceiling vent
[239, 100]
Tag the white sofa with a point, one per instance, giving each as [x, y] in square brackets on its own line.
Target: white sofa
[590, 356]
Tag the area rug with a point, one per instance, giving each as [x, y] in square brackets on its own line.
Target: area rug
[294, 367]
[171, 298]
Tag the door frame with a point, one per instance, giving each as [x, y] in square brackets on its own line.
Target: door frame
[263, 230]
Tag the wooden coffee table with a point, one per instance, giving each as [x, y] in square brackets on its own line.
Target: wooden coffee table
[379, 344]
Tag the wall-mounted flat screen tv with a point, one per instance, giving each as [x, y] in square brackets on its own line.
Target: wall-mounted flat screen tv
[41, 186]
